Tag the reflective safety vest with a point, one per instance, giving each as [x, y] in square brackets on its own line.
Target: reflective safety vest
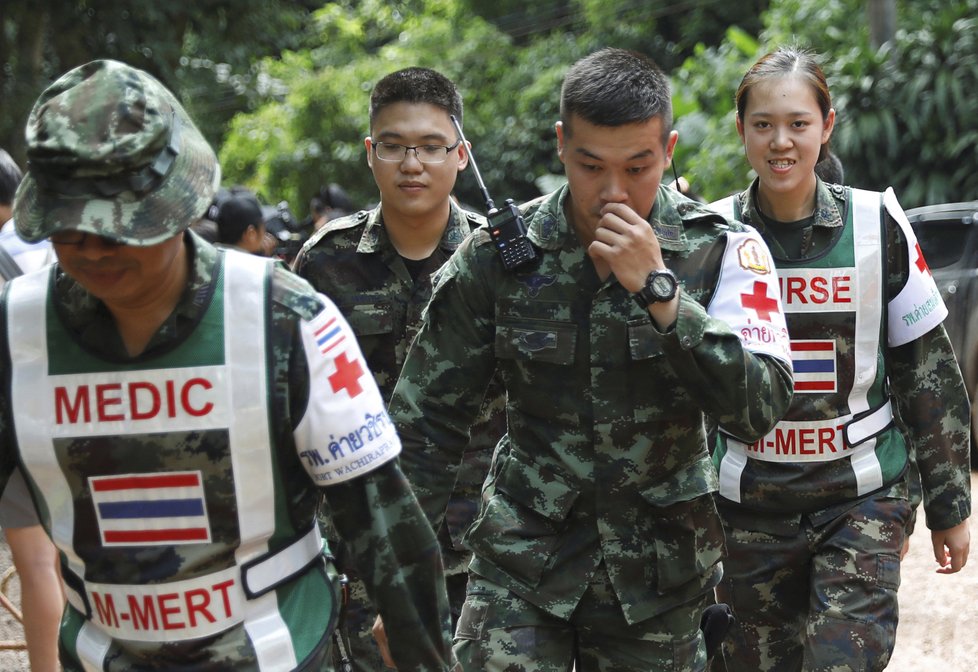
[838, 439]
[157, 480]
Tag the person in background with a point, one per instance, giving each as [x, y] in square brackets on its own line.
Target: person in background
[34, 556]
[816, 512]
[181, 412]
[206, 229]
[380, 264]
[598, 543]
[331, 202]
[240, 221]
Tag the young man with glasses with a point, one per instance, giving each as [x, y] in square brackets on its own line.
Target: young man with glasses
[378, 265]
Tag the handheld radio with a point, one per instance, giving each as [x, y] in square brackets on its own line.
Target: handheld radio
[506, 227]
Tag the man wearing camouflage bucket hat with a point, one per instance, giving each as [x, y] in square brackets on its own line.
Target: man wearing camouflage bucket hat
[179, 411]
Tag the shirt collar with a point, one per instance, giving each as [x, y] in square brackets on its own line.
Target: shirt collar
[827, 211]
[375, 238]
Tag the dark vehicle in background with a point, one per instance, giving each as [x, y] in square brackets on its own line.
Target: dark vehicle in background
[948, 235]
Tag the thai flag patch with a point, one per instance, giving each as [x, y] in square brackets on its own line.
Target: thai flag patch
[814, 366]
[151, 509]
[329, 336]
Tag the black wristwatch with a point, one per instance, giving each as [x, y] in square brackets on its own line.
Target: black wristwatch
[660, 287]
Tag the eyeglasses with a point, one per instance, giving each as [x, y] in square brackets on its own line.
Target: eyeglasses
[390, 151]
[76, 237]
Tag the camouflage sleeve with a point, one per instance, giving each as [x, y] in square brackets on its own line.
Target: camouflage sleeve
[443, 382]
[369, 502]
[933, 404]
[733, 353]
[744, 391]
[397, 555]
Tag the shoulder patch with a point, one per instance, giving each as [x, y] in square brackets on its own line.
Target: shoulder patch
[918, 307]
[295, 294]
[752, 255]
[345, 431]
[347, 222]
[475, 219]
[747, 296]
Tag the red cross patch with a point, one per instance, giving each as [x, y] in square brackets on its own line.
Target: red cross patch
[760, 302]
[921, 263]
[347, 376]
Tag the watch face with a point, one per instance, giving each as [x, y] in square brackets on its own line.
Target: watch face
[662, 285]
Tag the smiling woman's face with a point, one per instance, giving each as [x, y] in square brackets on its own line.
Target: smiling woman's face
[783, 132]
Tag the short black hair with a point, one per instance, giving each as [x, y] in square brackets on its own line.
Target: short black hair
[234, 210]
[416, 85]
[10, 177]
[331, 196]
[614, 87]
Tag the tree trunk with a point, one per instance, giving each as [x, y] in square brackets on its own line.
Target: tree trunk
[882, 21]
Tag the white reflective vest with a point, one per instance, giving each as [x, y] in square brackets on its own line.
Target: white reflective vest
[87, 428]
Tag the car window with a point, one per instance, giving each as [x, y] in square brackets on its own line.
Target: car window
[943, 243]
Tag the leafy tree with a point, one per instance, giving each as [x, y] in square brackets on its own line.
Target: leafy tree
[525, 21]
[509, 72]
[903, 114]
[201, 49]
[908, 111]
[709, 153]
[314, 134]
[666, 30]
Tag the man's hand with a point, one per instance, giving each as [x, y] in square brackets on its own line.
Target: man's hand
[951, 547]
[626, 243]
[381, 638]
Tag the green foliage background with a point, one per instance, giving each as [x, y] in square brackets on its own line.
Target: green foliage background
[904, 111]
[508, 60]
[281, 87]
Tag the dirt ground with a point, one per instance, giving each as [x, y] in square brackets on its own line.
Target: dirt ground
[11, 632]
[938, 614]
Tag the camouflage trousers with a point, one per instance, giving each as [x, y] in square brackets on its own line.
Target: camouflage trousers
[499, 631]
[356, 650]
[824, 600]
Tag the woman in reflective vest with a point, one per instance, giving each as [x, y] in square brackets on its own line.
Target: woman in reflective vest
[816, 514]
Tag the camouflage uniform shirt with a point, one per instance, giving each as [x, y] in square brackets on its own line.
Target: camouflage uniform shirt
[352, 260]
[605, 458]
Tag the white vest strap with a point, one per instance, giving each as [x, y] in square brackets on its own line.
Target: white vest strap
[868, 233]
[814, 441]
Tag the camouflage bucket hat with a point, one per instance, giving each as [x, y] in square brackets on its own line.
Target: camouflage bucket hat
[110, 151]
